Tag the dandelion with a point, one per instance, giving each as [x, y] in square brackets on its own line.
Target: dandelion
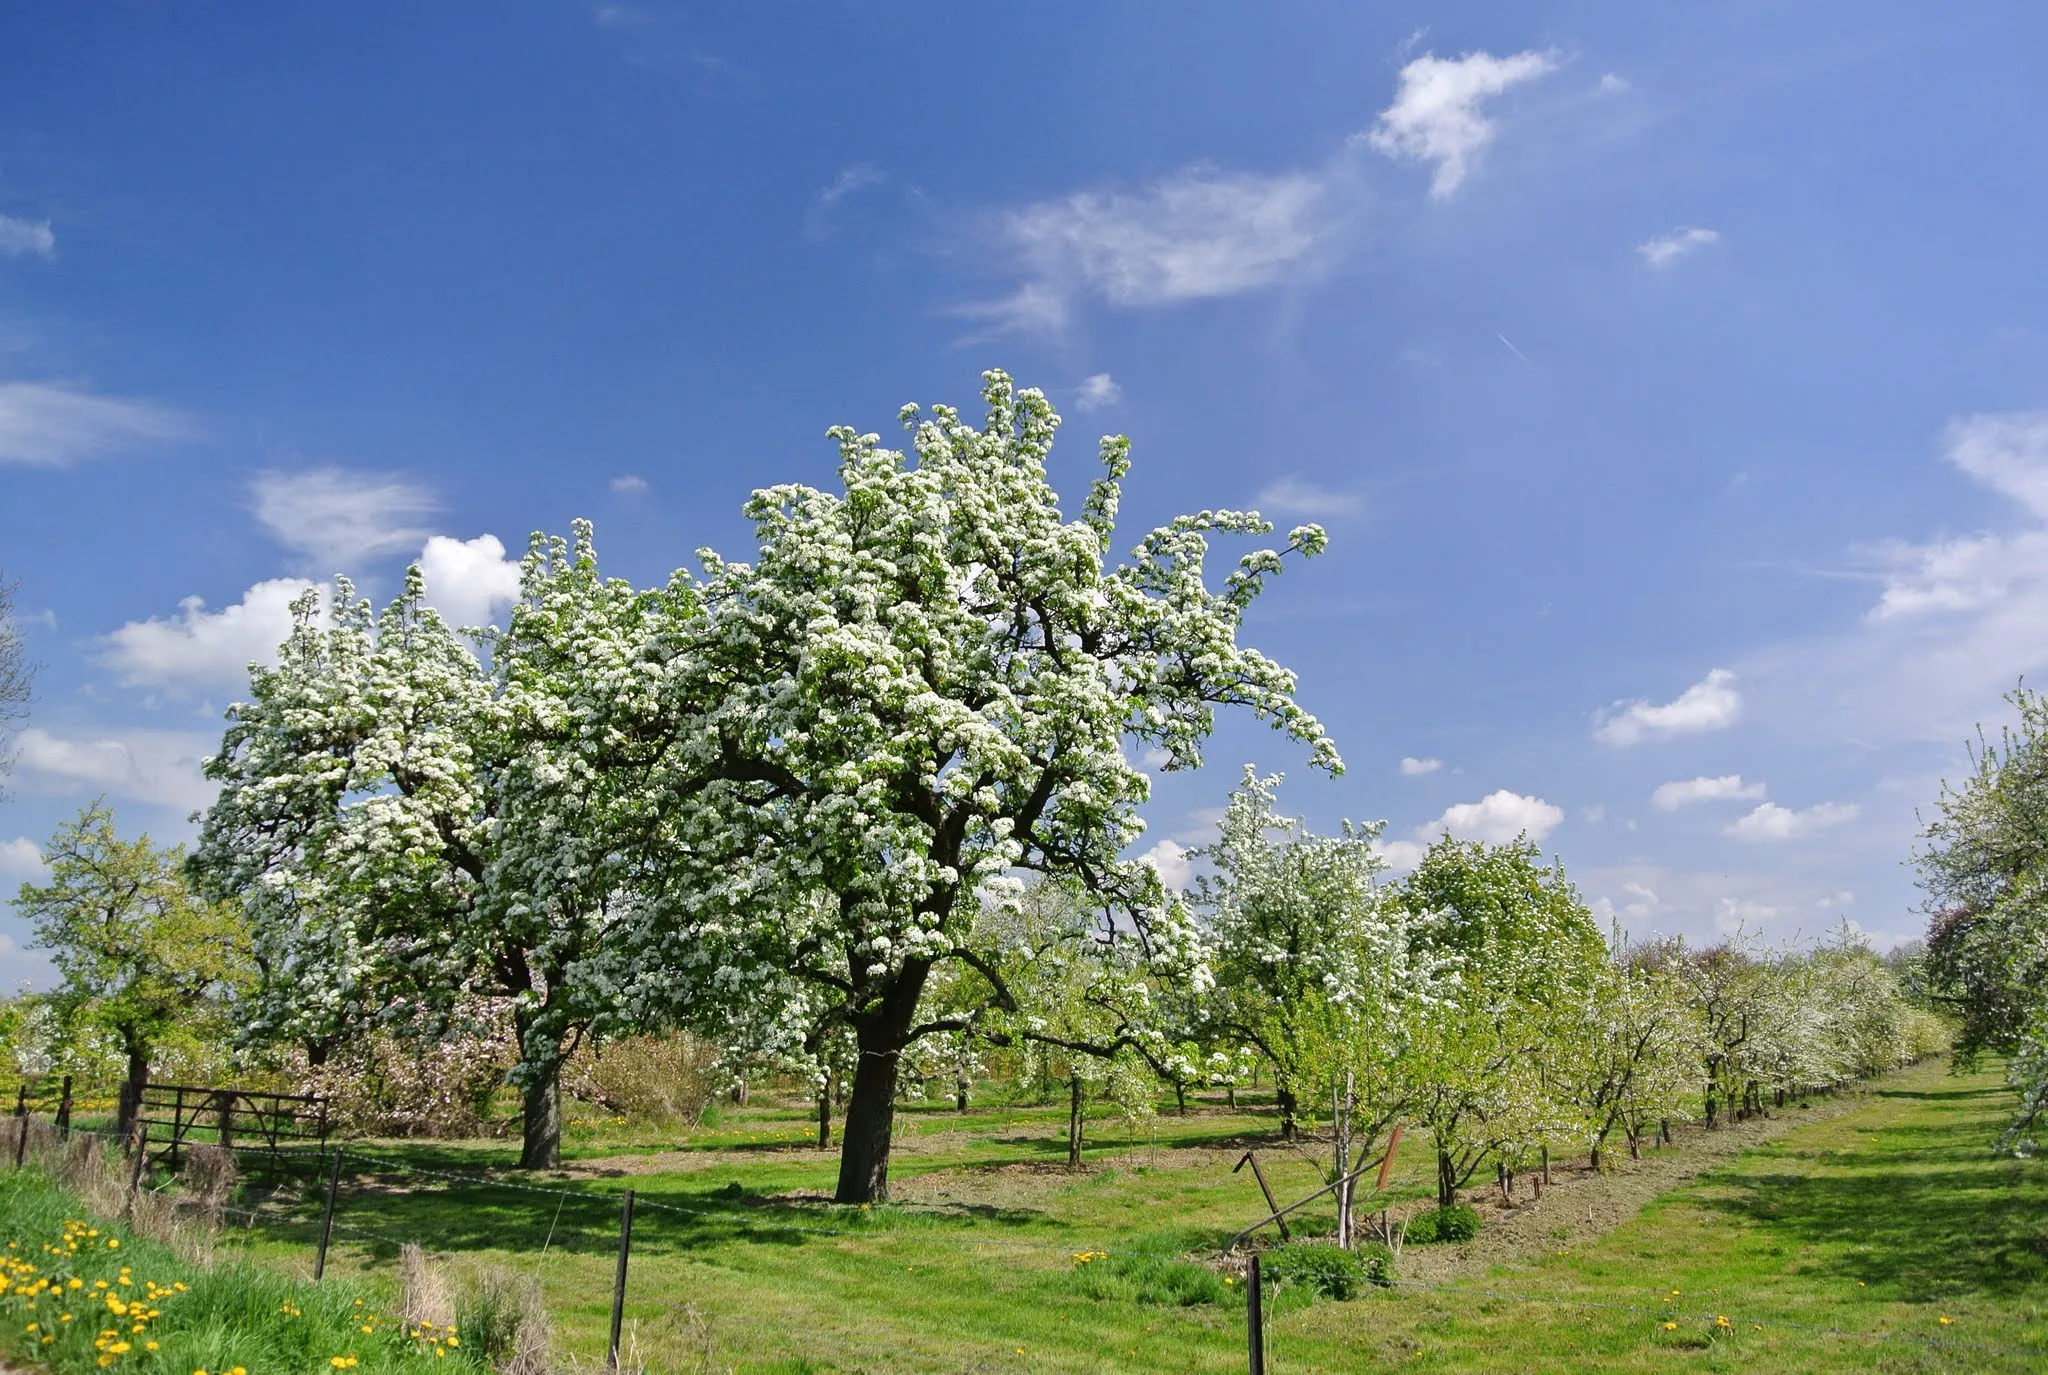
[1671, 1327]
[1947, 1321]
[149, 1346]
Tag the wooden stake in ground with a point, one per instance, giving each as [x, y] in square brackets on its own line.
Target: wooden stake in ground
[1255, 1318]
[619, 1278]
[1272, 1204]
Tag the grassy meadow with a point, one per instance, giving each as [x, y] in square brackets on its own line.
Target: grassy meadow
[1834, 1237]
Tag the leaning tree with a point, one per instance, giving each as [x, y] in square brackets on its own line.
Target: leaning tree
[924, 682]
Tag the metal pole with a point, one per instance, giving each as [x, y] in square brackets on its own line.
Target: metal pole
[1255, 1319]
[619, 1280]
[327, 1218]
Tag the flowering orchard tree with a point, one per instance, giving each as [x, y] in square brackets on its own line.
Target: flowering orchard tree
[925, 682]
[407, 826]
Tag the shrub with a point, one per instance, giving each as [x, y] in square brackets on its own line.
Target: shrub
[1459, 1222]
[657, 1079]
[1328, 1270]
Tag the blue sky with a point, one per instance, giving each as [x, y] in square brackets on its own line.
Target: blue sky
[1670, 381]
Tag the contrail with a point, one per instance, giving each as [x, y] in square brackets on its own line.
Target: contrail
[1512, 349]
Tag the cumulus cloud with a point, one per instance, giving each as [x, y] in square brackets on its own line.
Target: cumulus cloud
[18, 237]
[1096, 391]
[468, 580]
[1201, 232]
[1170, 860]
[1495, 819]
[1293, 496]
[1663, 250]
[200, 648]
[153, 766]
[1710, 704]
[1770, 822]
[1411, 767]
[335, 518]
[628, 485]
[50, 425]
[1437, 113]
[21, 859]
[1728, 787]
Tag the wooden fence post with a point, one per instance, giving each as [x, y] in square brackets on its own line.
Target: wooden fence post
[619, 1279]
[64, 1110]
[141, 1139]
[327, 1218]
[1255, 1319]
[20, 1123]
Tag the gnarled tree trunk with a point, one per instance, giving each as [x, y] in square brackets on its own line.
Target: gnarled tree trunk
[881, 1033]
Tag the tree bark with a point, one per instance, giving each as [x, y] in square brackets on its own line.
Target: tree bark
[1446, 1180]
[825, 1112]
[865, 1136]
[540, 1145]
[1284, 1097]
[1074, 1123]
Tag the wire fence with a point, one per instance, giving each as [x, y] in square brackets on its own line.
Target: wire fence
[351, 1193]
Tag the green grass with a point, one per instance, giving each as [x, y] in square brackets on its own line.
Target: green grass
[1874, 1224]
[138, 1307]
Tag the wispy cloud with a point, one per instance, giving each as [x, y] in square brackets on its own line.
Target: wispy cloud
[1710, 704]
[1411, 767]
[335, 518]
[19, 237]
[50, 425]
[628, 485]
[153, 766]
[1294, 496]
[1669, 797]
[1202, 232]
[1666, 249]
[855, 178]
[1096, 391]
[1438, 116]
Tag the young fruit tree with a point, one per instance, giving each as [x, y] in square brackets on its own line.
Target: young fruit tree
[926, 681]
[137, 950]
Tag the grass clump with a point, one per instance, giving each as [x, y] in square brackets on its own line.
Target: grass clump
[1459, 1222]
[1330, 1271]
[87, 1296]
[1150, 1272]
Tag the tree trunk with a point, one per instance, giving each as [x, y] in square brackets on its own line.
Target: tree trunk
[1594, 1160]
[1180, 1096]
[540, 1145]
[870, 1124]
[1446, 1179]
[1074, 1123]
[1710, 1109]
[131, 1091]
[1546, 1165]
[1230, 1096]
[1664, 1130]
[1284, 1097]
[825, 1111]
[1635, 1147]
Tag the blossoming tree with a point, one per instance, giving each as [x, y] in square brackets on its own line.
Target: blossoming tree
[924, 682]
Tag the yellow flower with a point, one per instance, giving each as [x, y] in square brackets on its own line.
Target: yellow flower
[1947, 1321]
[113, 1243]
[454, 1341]
[149, 1346]
[1671, 1327]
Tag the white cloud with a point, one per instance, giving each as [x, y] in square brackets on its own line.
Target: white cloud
[1098, 390]
[1610, 84]
[1840, 898]
[1498, 817]
[1710, 704]
[1436, 114]
[336, 518]
[467, 580]
[21, 859]
[1665, 249]
[160, 767]
[1171, 861]
[197, 647]
[1292, 496]
[1770, 822]
[1732, 915]
[26, 236]
[858, 176]
[49, 425]
[1728, 787]
[1201, 232]
[1411, 767]
[628, 485]
[1495, 819]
